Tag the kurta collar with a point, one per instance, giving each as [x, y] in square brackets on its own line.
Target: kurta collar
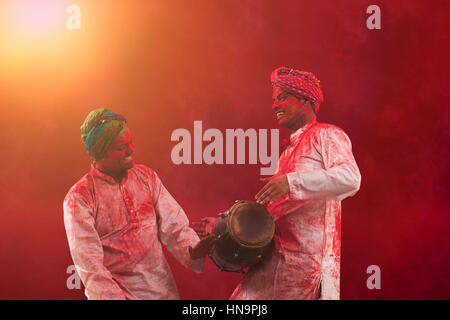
[294, 137]
[97, 173]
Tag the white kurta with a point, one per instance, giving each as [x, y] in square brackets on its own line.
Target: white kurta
[115, 231]
[306, 251]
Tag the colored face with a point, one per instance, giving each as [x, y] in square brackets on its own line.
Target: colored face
[290, 111]
[118, 157]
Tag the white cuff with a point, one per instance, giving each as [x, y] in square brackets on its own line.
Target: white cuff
[295, 186]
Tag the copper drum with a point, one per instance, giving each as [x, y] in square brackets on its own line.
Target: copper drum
[244, 233]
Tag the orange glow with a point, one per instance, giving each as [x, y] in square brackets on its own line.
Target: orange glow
[38, 51]
[30, 18]
[29, 29]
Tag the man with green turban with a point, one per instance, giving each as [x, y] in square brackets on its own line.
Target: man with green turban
[118, 216]
[99, 129]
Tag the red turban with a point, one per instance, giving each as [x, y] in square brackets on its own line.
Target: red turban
[301, 84]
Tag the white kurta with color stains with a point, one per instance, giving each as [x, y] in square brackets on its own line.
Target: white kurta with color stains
[116, 231]
[321, 171]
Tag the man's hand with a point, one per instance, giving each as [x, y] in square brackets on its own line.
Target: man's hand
[202, 248]
[276, 187]
[205, 227]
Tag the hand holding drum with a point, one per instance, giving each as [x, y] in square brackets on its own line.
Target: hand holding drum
[243, 234]
[204, 228]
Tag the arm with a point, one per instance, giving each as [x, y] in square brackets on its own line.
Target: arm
[338, 180]
[86, 249]
[174, 231]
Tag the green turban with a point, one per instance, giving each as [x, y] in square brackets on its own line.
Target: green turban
[99, 129]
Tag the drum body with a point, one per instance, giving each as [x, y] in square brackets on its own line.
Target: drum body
[244, 234]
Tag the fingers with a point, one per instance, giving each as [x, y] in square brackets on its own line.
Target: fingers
[273, 190]
[200, 229]
[204, 227]
[275, 197]
[209, 224]
[265, 186]
[208, 221]
[198, 224]
[203, 247]
[266, 196]
[271, 195]
[262, 191]
[209, 241]
[203, 236]
[265, 193]
[204, 223]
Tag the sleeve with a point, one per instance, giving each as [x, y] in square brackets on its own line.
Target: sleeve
[340, 177]
[87, 251]
[174, 231]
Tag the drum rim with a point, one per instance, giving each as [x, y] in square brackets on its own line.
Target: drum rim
[235, 238]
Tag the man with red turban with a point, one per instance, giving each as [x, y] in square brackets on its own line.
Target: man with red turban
[315, 172]
[118, 216]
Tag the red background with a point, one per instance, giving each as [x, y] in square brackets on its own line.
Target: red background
[164, 64]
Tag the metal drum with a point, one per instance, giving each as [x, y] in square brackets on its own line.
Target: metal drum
[244, 233]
